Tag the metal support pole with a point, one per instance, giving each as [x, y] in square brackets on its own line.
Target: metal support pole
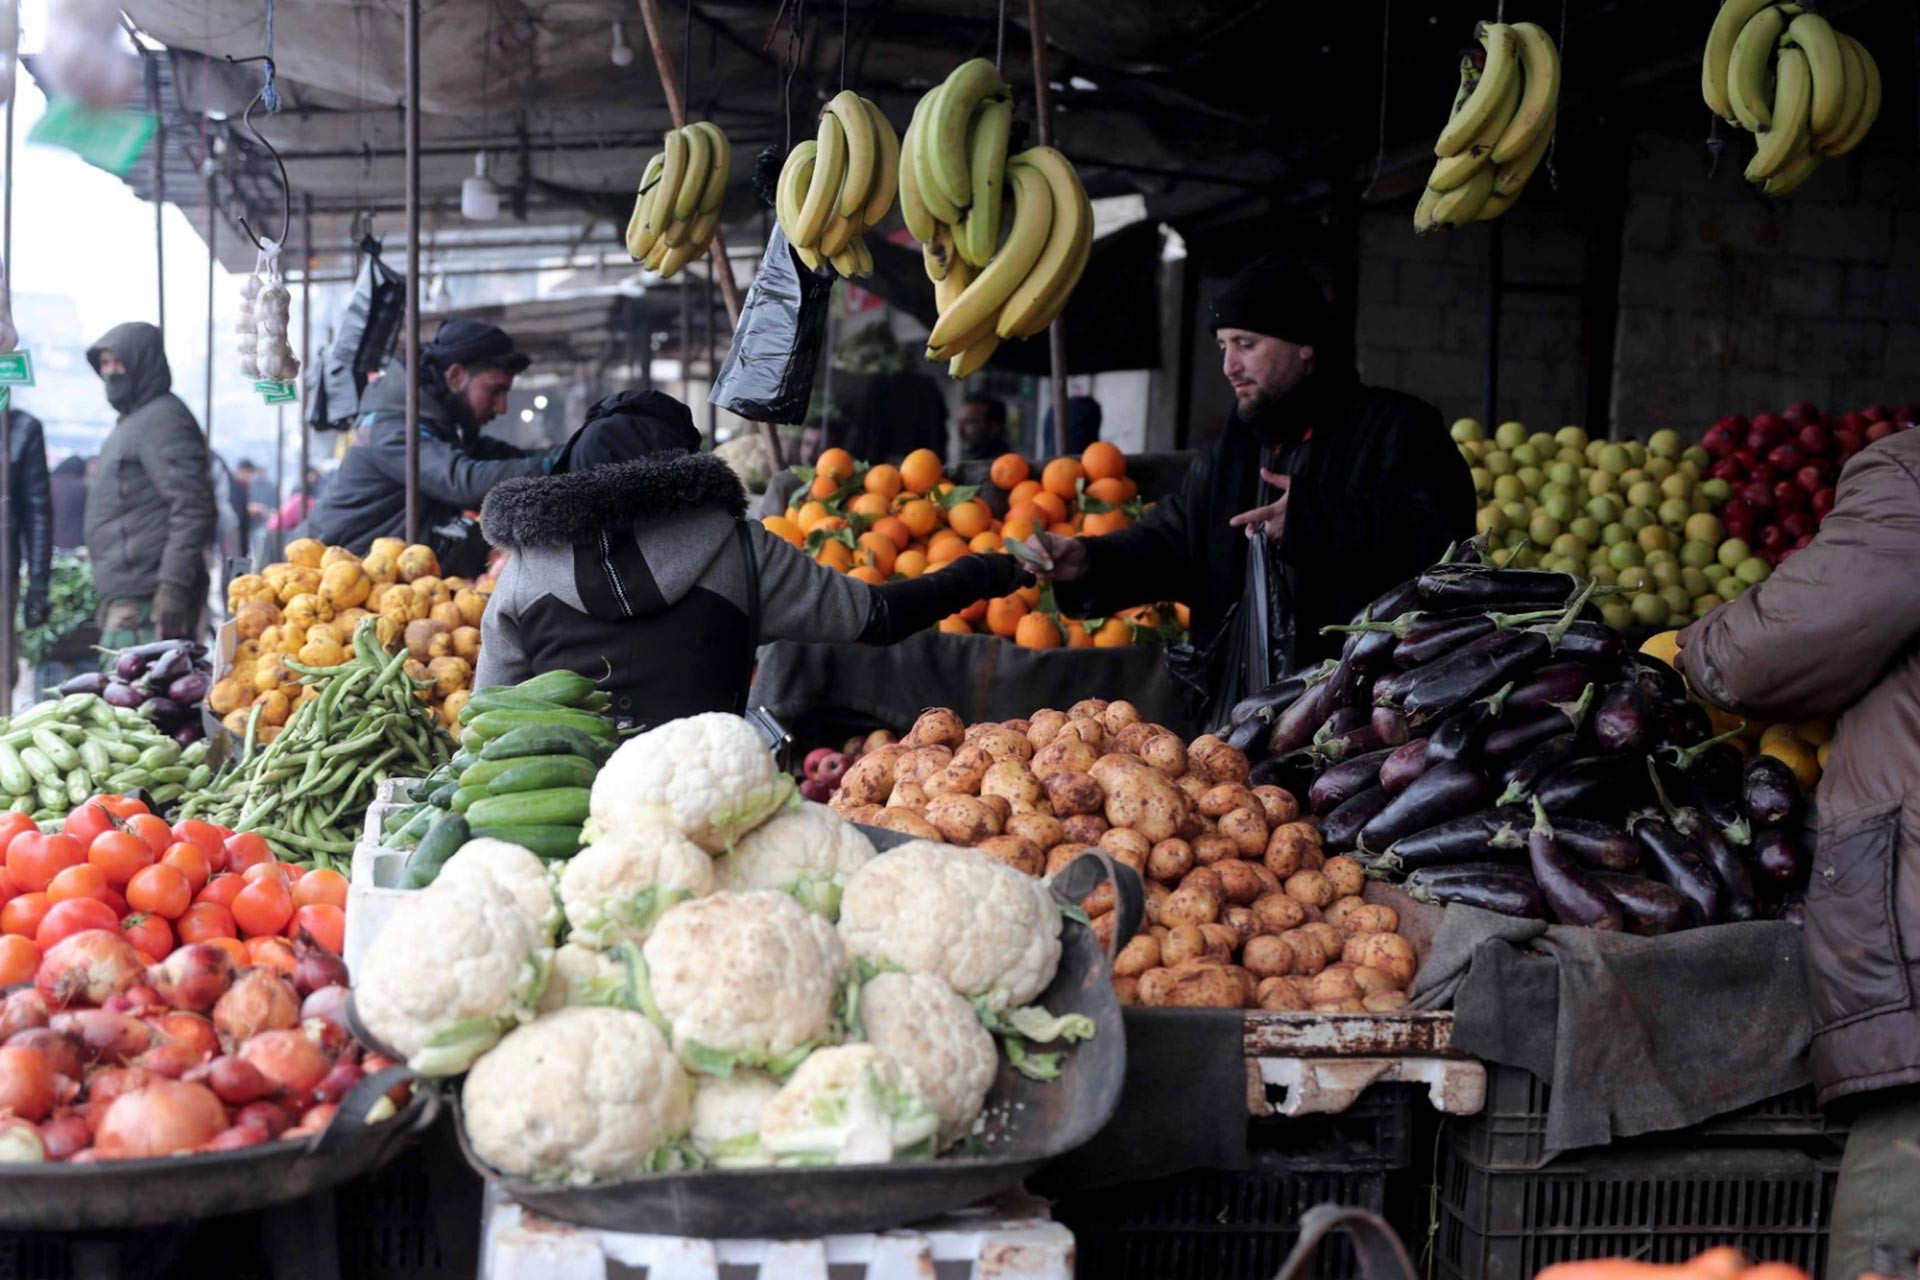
[306, 343]
[1043, 120]
[213, 241]
[1496, 286]
[713, 366]
[10, 562]
[279, 482]
[159, 189]
[413, 270]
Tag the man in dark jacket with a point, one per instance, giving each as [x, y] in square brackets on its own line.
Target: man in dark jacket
[465, 375]
[69, 488]
[1353, 489]
[151, 513]
[32, 517]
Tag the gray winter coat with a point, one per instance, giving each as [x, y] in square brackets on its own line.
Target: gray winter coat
[150, 510]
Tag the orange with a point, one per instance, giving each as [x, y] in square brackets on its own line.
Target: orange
[946, 546]
[921, 470]
[921, 516]
[837, 463]
[1062, 477]
[1077, 637]
[1008, 470]
[1183, 615]
[834, 555]
[1017, 527]
[952, 625]
[884, 480]
[868, 574]
[1031, 594]
[1106, 522]
[880, 551]
[911, 563]
[893, 531]
[871, 505]
[810, 514]
[973, 612]
[1111, 490]
[1027, 511]
[1064, 528]
[986, 543]
[969, 518]
[831, 524]
[1115, 633]
[1053, 505]
[1022, 492]
[1103, 461]
[824, 487]
[1036, 631]
[1004, 614]
[782, 527]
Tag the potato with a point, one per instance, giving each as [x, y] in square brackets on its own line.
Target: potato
[971, 757]
[1126, 991]
[1153, 987]
[1157, 895]
[1241, 921]
[1206, 878]
[1165, 753]
[1002, 743]
[1087, 709]
[962, 819]
[1141, 953]
[1065, 754]
[1288, 847]
[1016, 724]
[1042, 830]
[1347, 875]
[1309, 957]
[907, 822]
[1327, 936]
[1312, 858]
[1208, 850]
[1184, 942]
[1139, 797]
[1073, 793]
[1104, 928]
[1001, 806]
[1192, 787]
[1311, 888]
[1221, 940]
[1169, 860]
[1127, 846]
[1338, 1006]
[953, 780]
[1060, 856]
[870, 780]
[1116, 716]
[937, 727]
[1336, 912]
[867, 813]
[1191, 905]
[1280, 995]
[1279, 805]
[1237, 881]
[1332, 985]
[1088, 731]
[1247, 828]
[1206, 988]
[1044, 727]
[1013, 780]
[1277, 913]
[1219, 800]
[1128, 740]
[1384, 1002]
[917, 764]
[1267, 956]
[1195, 826]
[1390, 953]
[1216, 761]
[1372, 981]
[450, 675]
[1269, 882]
[908, 795]
[1370, 919]
[1021, 855]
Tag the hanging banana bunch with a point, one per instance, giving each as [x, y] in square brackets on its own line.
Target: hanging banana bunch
[959, 191]
[1807, 91]
[838, 185]
[1499, 131]
[678, 207]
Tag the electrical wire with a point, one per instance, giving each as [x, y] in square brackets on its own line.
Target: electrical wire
[1386, 48]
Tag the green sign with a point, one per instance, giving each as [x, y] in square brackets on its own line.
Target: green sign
[107, 138]
[16, 368]
[6, 397]
[277, 392]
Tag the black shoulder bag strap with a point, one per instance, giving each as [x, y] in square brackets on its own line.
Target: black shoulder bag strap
[751, 563]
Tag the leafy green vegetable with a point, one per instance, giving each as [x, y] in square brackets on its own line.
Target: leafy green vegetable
[1042, 1027]
[1034, 1066]
[72, 603]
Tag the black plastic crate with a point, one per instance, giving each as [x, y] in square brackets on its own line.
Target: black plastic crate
[1651, 1204]
[1372, 1135]
[1511, 1132]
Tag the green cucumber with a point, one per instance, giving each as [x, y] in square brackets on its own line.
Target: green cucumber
[544, 740]
[64, 757]
[441, 842]
[565, 687]
[547, 841]
[415, 829]
[532, 773]
[443, 795]
[160, 755]
[493, 724]
[559, 806]
[463, 798]
[95, 758]
[79, 786]
[13, 772]
[44, 771]
[505, 699]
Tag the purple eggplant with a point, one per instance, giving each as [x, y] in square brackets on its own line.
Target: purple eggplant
[1404, 763]
[1651, 908]
[190, 688]
[1482, 666]
[1782, 862]
[1346, 780]
[1533, 767]
[167, 668]
[1573, 894]
[86, 682]
[1341, 828]
[1248, 737]
[1446, 586]
[1554, 683]
[1294, 727]
[1523, 734]
[1379, 727]
[1441, 637]
[1719, 800]
[1770, 790]
[1625, 719]
[189, 733]
[1509, 891]
[120, 694]
[1592, 642]
[1680, 864]
[1661, 681]
[1441, 792]
[1461, 733]
[1597, 844]
[1686, 723]
[1792, 909]
[1594, 786]
[1739, 900]
[130, 665]
[1392, 602]
[1475, 836]
[165, 713]
[1267, 704]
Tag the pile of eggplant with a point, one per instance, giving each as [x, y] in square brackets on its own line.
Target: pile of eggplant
[1484, 737]
[165, 680]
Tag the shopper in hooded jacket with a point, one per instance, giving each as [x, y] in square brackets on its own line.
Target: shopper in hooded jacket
[639, 567]
[151, 513]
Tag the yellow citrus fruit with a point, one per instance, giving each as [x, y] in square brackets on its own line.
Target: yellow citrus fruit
[1115, 633]
[1111, 490]
[823, 487]
[883, 480]
[1801, 757]
[986, 543]
[1022, 492]
[1077, 637]
[867, 574]
[880, 551]
[910, 563]
[867, 504]
[954, 625]
[834, 555]
[969, 518]
[1104, 522]
[1665, 646]
[920, 516]
[1062, 477]
[810, 514]
[921, 470]
[895, 532]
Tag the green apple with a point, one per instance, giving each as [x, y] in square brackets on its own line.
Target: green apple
[1571, 437]
[1614, 458]
[1679, 601]
[1649, 610]
[1599, 482]
[1509, 434]
[1508, 488]
[1752, 572]
[1636, 518]
[1482, 482]
[1617, 532]
[1465, 429]
[1644, 494]
[1696, 554]
[1564, 474]
[1491, 520]
[1732, 552]
[1706, 604]
[1705, 528]
[1587, 528]
[1666, 443]
[1501, 464]
[1626, 555]
[1698, 457]
[1604, 507]
[1532, 477]
[1674, 513]
[1525, 455]
[1616, 613]
[1716, 490]
[1543, 529]
[1695, 581]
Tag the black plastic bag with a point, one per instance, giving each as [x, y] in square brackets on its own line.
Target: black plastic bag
[362, 344]
[768, 376]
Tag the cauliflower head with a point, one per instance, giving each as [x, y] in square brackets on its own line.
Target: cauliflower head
[581, 1094]
[851, 1104]
[617, 888]
[745, 979]
[726, 1118]
[450, 972]
[958, 914]
[708, 776]
[516, 869]
[808, 852]
[920, 1022]
[584, 976]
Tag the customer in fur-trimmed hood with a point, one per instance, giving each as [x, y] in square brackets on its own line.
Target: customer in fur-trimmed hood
[640, 559]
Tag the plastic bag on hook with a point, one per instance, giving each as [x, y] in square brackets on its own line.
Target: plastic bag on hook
[361, 345]
[768, 376]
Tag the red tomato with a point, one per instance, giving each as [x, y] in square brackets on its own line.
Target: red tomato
[116, 901]
[83, 881]
[236, 950]
[205, 921]
[76, 915]
[34, 860]
[7, 887]
[23, 914]
[14, 824]
[207, 838]
[326, 925]
[154, 831]
[122, 807]
[274, 953]
[19, 958]
[148, 933]
[263, 907]
[120, 854]
[89, 820]
[321, 887]
[160, 889]
[190, 860]
[222, 889]
[281, 871]
[246, 849]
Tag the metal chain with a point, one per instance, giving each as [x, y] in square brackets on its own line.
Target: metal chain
[1000, 38]
[686, 56]
[1553, 145]
[845, 36]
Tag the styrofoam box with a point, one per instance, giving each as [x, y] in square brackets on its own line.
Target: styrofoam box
[373, 885]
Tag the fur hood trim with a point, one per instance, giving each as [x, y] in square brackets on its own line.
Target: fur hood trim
[536, 511]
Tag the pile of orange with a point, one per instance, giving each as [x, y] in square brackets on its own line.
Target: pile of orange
[881, 522]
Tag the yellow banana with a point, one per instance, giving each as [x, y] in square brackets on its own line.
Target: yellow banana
[719, 169]
[1792, 99]
[887, 178]
[1727, 23]
[1869, 106]
[672, 173]
[913, 209]
[862, 152]
[945, 145]
[703, 228]
[795, 176]
[1503, 66]
[1072, 222]
[979, 233]
[968, 362]
[938, 255]
[1540, 98]
[1827, 66]
[1423, 210]
[1477, 154]
[846, 262]
[639, 239]
[1458, 207]
[1063, 292]
[1497, 204]
[1750, 68]
[677, 233]
[1032, 220]
[837, 235]
[938, 204]
[951, 349]
[1855, 75]
[1791, 174]
[950, 286]
[686, 200]
[1509, 179]
[829, 170]
[657, 255]
[864, 266]
[677, 257]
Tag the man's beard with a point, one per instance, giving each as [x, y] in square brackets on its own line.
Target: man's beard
[1254, 410]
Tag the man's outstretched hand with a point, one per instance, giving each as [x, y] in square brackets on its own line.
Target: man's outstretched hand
[1069, 556]
[1270, 519]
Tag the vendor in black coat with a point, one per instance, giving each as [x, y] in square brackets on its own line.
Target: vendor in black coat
[1354, 488]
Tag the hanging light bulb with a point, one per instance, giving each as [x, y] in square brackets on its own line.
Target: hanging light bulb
[479, 198]
[621, 53]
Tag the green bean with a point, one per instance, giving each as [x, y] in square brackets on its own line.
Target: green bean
[275, 834]
[253, 723]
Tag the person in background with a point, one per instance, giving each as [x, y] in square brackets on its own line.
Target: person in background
[638, 558]
[32, 518]
[68, 485]
[465, 375]
[1083, 428]
[1836, 631]
[981, 423]
[247, 513]
[151, 511]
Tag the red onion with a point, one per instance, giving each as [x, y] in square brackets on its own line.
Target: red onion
[165, 1117]
[171, 1060]
[274, 1119]
[103, 1036]
[240, 1135]
[193, 978]
[189, 1029]
[316, 967]
[65, 1135]
[107, 1084]
[90, 967]
[21, 1010]
[338, 1082]
[287, 1058]
[238, 1082]
[20, 1142]
[61, 1052]
[314, 1121]
[257, 1001]
[329, 1002]
[26, 1083]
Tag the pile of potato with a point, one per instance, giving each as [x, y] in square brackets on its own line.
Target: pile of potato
[306, 608]
[1243, 910]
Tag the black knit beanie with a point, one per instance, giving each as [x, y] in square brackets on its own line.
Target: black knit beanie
[1276, 296]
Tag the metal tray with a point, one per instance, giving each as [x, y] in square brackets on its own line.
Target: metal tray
[1026, 1124]
[117, 1194]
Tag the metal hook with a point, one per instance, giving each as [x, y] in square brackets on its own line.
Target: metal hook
[286, 187]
